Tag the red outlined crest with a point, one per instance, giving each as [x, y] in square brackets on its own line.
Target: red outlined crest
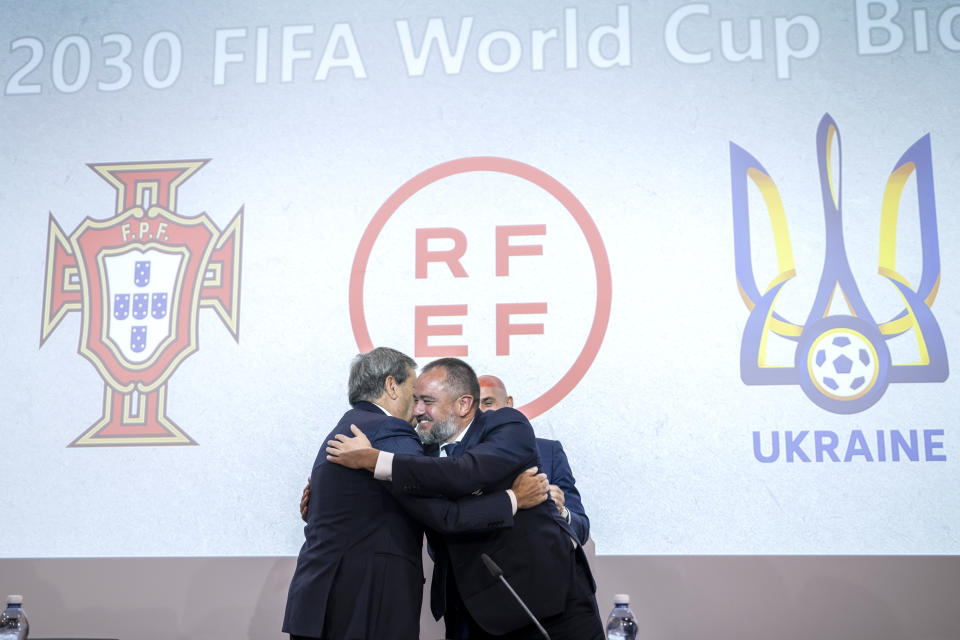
[140, 278]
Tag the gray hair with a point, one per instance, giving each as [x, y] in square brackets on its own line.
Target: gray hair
[369, 372]
[461, 378]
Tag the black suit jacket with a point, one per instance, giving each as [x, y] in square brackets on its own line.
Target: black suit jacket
[536, 554]
[359, 573]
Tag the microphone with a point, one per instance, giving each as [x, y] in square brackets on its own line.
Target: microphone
[497, 572]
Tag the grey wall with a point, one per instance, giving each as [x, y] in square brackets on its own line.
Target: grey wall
[675, 598]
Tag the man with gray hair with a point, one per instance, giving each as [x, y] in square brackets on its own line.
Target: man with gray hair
[480, 455]
[359, 573]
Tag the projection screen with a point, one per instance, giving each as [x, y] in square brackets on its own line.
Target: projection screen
[710, 247]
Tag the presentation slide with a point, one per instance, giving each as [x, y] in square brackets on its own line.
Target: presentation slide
[710, 247]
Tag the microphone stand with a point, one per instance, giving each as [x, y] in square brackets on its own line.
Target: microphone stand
[497, 572]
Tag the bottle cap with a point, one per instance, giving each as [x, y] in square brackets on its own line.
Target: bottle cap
[14, 599]
[621, 598]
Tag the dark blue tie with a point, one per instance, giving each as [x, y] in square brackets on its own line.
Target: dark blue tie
[450, 449]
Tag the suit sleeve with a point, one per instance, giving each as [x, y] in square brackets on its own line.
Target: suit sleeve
[472, 513]
[506, 447]
[396, 436]
[561, 475]
[445, 515]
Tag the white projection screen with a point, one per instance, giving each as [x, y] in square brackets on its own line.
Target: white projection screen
[709, 246]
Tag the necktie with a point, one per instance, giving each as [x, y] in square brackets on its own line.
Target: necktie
[450, 449]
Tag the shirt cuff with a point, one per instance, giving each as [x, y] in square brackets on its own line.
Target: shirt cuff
[384, 468]
[565, 514]
[513, 501]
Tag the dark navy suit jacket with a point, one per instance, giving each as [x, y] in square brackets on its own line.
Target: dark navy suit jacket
[535, 554]
[359, 573]
[558, 472]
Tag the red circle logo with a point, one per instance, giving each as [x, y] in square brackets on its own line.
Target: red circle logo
[545, 182]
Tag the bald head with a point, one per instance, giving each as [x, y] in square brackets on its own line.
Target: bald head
[493, 394]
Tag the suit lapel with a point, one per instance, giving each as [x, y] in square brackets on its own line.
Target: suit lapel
[473, 436]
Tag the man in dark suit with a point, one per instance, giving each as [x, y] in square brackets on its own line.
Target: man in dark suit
[359, 574]
[553, 459]
[538, 554]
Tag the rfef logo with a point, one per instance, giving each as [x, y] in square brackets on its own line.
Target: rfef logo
[841, 360]
[492, 260]
[139, 278]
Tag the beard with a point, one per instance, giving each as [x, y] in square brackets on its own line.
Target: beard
[441, 431]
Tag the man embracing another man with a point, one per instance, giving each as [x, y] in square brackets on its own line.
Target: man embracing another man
[481, 456]
[359, 573]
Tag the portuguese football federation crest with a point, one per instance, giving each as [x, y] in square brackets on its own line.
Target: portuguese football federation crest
[139, 279]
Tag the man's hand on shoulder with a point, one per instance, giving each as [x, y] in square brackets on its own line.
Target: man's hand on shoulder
[530, 488]
[352, 452]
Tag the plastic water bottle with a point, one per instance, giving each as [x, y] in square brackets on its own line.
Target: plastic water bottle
[622, 624]
[13, 621]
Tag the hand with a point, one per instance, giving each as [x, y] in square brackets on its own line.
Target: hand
[530, 488]
[344, 442]
[352, 452]
[305, 500]
[556, 494]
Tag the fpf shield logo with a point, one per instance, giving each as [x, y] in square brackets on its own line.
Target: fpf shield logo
[842, 361]
[139, 279]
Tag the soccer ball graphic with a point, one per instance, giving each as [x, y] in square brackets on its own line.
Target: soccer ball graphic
[843, 364]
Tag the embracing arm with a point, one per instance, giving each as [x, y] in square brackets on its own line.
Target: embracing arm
[504, 449]
[562, 476]
[476, 513]
[469, 513]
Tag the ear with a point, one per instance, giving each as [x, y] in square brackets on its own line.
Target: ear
[391, 387]
[509, 401]
[465, 404]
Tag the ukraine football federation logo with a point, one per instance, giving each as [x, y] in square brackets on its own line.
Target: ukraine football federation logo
[842, 361]
[139, 279]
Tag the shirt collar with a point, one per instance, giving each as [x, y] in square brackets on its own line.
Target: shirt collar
[381, 408]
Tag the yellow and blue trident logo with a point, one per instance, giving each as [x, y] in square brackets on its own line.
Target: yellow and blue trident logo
[842, 362]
